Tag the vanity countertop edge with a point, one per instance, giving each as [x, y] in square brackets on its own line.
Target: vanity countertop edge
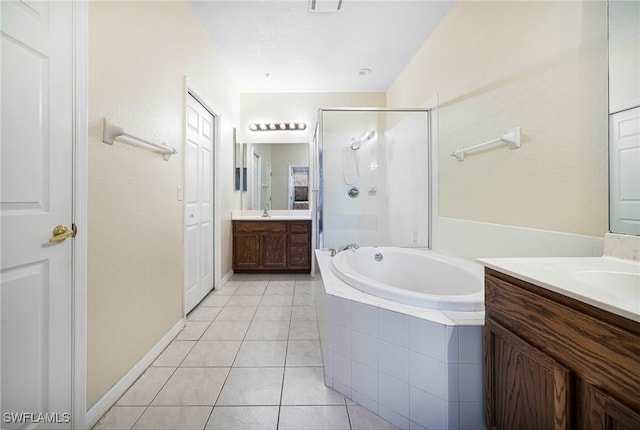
[558, 274]
[274, 215]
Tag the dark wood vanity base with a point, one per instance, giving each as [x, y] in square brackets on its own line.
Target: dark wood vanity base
[552, 362]
[271, 246]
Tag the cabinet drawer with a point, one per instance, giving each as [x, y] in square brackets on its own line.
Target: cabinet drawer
[299, 227]
[299, 239]
[259, 226]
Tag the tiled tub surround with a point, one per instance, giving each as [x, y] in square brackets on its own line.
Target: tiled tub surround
[248, 358]
[417, 368]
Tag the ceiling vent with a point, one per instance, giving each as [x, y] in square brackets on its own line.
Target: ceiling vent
[325, 5]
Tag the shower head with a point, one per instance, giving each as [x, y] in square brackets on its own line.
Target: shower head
[367, 137]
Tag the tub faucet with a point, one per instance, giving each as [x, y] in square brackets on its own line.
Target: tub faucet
[348, 246]
[265, 214]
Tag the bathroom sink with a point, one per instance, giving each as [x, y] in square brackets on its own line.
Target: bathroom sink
[624, 283]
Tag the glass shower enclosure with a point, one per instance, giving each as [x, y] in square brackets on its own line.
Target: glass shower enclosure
[372, 177]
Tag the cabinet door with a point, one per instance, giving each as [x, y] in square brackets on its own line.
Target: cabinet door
[299, 257]
[246, 250]
[525, 388]
[603, 412]
[274, 250]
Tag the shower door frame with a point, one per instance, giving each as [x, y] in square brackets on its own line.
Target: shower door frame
[318, 167]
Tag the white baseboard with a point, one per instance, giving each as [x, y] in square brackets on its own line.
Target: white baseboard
[119, 388]
[226, 278]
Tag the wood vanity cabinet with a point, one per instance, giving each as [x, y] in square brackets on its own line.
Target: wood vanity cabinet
[552, 362]
[271, 246]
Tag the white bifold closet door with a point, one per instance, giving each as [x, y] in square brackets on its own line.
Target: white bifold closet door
[199, 231]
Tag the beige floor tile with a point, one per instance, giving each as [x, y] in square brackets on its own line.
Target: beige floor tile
[173, 354]
[146, 387]
[204, 313]
[216, 299]
[303, 313]
[314, 417]
[212, 353]
[305, 386]
[303, 300]
[280, 288]
[193, 330]
[120, 418]
[304, 353]
[273, 313]
[268, 330]
[174, 418]
[226, 330]
[362, 419]
[196, 386]
[244, 301]
[251, 289]
[236, 313]
[277, 300]
[283, 277]
[252, 386]
[304, 330]
[243, 418]
[227, 290]
[252, 278]
[261, 353]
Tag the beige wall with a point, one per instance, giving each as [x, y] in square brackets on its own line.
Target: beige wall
[139, 54]
[538, 65]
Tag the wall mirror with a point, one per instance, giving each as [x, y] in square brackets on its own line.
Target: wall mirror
[273, 175]
[239, 165]
[624, 117]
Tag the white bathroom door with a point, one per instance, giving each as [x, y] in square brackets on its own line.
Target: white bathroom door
[199, 231]
[624, 165]
[36, 196]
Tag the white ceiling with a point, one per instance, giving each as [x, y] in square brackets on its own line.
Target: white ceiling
[282, 46]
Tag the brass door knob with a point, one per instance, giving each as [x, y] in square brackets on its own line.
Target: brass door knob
[61, 232]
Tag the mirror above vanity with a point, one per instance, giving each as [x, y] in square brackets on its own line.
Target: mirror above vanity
[273, 176]
[624, 117]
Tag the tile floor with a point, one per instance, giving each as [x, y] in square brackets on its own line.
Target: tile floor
[248, 358]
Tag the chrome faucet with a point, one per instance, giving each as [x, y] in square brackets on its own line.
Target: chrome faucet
[347, 246]
[265, 214]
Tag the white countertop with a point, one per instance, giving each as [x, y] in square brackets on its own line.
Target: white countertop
[275, 215]
[607, 283]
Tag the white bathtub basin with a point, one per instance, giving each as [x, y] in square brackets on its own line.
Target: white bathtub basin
[415, 277]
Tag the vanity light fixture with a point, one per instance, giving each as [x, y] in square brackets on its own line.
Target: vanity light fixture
[281, 126]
